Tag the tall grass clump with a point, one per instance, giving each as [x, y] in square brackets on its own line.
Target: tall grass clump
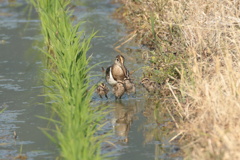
[67, 83]
[204, 37]
[210, 83]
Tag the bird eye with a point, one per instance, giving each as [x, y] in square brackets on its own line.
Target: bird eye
[117, 59]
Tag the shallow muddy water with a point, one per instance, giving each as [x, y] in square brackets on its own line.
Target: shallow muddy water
[20, 85]
[135, 133]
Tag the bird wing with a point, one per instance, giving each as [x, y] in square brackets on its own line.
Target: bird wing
[125, 71]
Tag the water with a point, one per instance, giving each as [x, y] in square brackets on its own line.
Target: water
[136, 133]
[20, 85]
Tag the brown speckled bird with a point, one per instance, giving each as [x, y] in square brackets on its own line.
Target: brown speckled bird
[102, 90]
[129, 86]
[119, 89]
[117, 71]
[151, 86]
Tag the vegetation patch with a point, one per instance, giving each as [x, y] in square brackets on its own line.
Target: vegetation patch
[194, 51]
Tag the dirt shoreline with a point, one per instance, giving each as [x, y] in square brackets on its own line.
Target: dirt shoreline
[194, 51]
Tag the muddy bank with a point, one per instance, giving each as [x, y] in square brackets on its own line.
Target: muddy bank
[194, 49]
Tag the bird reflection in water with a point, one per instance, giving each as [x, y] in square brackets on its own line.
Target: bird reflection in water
[123, 118]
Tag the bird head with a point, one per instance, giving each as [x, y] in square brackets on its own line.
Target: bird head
[119, 59]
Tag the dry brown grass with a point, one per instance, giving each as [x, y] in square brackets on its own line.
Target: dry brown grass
[212, 114]
[207, 33]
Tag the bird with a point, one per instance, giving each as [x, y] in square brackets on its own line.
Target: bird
[129, 86]
[151, 86]
[117, 71]
[102, 90]
[119, 89]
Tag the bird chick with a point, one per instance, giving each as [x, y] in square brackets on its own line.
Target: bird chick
[129, 86]
[151, 86]
[102, 90]
[119, 89]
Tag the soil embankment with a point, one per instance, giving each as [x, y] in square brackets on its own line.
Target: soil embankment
[194, 54]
